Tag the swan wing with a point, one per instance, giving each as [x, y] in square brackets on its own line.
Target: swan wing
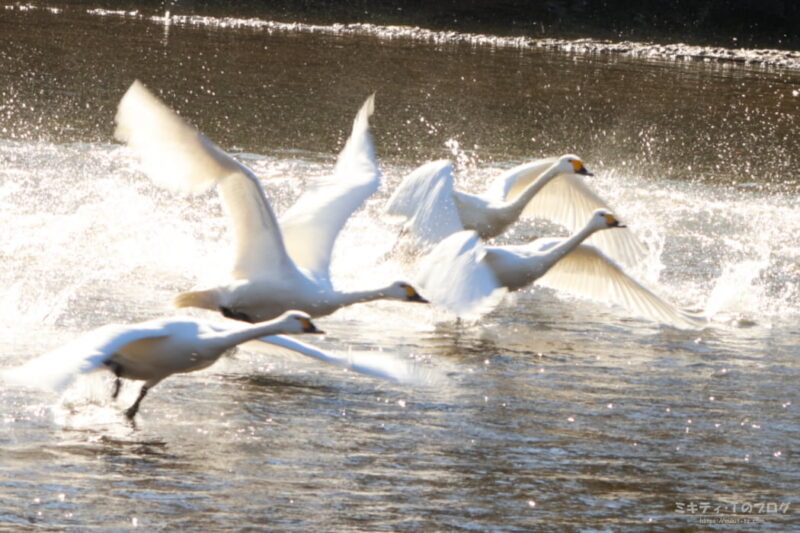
[171, 152]
[311, 225]
[455, 277]
[56, 369]
[416, 186]
[175, 155]
[569, 201]
[379, 365]
[588, 272]
[260, 249]
[425, 198]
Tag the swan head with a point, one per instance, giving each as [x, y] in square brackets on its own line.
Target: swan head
[404, 291]
[604, 219]
[571, 164]
[299, 322]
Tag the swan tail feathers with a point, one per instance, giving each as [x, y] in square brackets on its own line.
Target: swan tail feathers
[207, 299]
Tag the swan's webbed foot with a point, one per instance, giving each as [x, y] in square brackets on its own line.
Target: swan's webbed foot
[235, 315]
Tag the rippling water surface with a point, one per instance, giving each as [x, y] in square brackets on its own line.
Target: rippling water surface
[551, 413]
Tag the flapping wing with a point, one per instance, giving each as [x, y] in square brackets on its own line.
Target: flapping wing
[55, 370]
[455, 277]
[311, 225]
[259, 249]
[175, 155]
[587, 272]
[171, 152]
[567, 200]
[425, 197]
[379, 365]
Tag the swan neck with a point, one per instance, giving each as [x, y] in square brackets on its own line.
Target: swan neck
[571, 242]
[527, 194]
[355, 297]
[248, 333]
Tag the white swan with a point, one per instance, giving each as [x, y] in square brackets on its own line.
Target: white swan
[150, 351]
[468, 278]
[548, 188]
[277, 268]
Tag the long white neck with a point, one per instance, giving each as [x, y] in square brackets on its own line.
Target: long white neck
[349, 298]
[561, 249]
[514, 208]
[234, 337]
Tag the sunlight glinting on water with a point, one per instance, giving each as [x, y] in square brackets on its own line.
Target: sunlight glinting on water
[696, 250]
[551, 411]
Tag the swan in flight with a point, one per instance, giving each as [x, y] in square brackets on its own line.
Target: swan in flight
[549, 188]
[277, 267]
[150, 351]
[468, 278]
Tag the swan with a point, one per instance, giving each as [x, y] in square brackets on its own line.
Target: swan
[469, 278]
[277, 267]
[150, 351]
[550, 188]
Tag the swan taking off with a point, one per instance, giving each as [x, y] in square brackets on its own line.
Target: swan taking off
[468, 278]
[150, 351]
[276, 267]
[548, 188]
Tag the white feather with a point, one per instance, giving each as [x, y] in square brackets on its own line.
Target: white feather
[547, 188]
[171, 152]
[154, 350]
[374, 364]
[569, 201]
[276, 268]
[588, 272]
[56, 369]
[311, 225]
[455, 276]
[460, 273]
[425, 198]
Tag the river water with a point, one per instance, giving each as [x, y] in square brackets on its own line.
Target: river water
[551, 413]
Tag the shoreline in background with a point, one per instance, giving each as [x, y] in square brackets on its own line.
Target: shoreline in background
[761, 24]
[320, 20]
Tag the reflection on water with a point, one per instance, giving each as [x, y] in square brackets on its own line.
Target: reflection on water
[550, 413]
[263, 90]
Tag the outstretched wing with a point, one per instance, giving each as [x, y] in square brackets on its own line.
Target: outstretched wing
[425, 198]
[171, 152]
[311, 225]
[55, 370]
[567, 200]
[175, 155]
[455, 277]
[587, 272]
[379, 365]
[260, 249]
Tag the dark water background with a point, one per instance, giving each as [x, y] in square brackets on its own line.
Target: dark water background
[551, 414]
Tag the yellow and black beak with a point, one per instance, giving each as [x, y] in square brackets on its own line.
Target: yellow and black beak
[413, 296]
[578, 167]
[309, 327]
[612, 221]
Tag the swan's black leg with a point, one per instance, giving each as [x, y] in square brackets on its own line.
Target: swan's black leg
[116, 368]
[133, 409]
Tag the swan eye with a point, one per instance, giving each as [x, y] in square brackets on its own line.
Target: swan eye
[610, 219]
[577, 165]
[306, 323]
[410, 292]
